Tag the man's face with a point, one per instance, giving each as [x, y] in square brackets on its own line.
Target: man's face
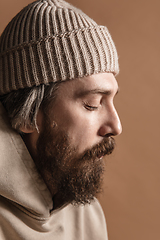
[75, 135]
[84, 109]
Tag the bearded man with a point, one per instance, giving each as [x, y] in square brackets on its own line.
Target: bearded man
[57, 122]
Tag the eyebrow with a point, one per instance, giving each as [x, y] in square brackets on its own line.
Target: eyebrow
[95, 91]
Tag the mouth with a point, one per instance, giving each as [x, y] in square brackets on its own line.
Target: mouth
[100, 156]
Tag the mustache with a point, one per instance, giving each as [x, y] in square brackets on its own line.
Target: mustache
[105, 147]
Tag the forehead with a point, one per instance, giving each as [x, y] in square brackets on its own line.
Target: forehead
[104, 82]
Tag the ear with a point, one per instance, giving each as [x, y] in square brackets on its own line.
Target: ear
[29, 129]
[26, 129]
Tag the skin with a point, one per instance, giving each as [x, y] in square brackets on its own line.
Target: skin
[88, 109]
[84, 109]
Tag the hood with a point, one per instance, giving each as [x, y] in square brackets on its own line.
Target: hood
[19, 180]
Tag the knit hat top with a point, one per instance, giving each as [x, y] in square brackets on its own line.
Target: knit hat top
[49, 41]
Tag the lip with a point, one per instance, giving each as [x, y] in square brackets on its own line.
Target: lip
[100, 156]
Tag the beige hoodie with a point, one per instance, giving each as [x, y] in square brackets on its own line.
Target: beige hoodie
[25, 201]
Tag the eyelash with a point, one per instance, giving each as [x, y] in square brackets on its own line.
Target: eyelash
[89, 107]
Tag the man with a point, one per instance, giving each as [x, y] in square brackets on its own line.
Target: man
[57, 85]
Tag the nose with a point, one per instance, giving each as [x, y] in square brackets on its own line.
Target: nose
[111, 124]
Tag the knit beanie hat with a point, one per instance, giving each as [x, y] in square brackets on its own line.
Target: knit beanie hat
[50, 41]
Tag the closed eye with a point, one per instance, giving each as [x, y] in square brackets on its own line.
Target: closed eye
[89, 107]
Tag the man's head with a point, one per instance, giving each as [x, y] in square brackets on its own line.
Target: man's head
[58, 83]
[74, 134]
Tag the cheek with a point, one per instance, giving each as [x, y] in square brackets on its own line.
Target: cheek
[82, 130]
[76, 123]
[80, 125]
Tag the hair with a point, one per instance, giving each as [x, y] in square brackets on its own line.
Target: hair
[22, 105]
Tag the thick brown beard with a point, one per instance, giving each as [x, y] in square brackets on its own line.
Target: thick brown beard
[77, 179]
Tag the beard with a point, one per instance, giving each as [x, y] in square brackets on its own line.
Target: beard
[70, 178]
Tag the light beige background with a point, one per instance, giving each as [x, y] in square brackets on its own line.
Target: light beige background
[131, 197]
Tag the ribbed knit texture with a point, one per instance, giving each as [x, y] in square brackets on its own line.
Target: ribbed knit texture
[49, 41]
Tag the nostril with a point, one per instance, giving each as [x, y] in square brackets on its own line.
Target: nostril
[109, 135]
